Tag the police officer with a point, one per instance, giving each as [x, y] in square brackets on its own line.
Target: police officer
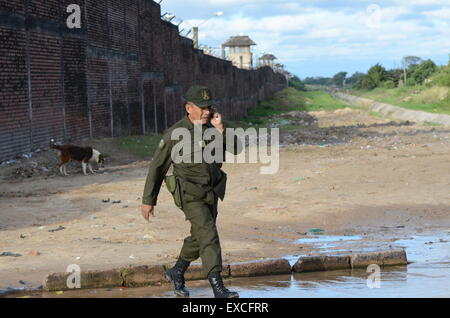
[196, 186]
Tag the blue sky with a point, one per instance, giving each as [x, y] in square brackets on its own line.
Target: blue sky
[323, 37]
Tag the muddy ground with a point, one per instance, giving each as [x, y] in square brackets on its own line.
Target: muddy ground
[345, 172]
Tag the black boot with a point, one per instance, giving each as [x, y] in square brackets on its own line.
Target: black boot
[220, 291]
[175, 275]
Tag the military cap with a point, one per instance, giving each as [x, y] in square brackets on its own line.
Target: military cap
[200, 96]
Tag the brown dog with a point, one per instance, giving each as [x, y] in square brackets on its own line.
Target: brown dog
[84, 155]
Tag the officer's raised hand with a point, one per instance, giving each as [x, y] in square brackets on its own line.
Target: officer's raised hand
[147, 210]
[216, 120]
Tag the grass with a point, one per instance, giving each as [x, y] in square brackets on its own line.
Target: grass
[374, 114]
[434, 99]
[141, 146]
[288, 100]
[284, 101]
[430, 123]
[319, 100]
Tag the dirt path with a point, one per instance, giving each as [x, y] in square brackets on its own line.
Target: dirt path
[350, 174]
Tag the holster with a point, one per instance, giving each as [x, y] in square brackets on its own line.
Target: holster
[173, 185]
[220, 187]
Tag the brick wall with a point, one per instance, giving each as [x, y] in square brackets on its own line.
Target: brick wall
[124, 72]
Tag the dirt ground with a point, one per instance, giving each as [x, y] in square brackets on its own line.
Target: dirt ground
[349, 173]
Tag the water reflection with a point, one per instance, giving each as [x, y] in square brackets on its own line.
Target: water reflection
[427, 276]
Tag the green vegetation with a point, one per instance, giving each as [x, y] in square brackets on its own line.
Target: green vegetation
[284, 101]
[430, 123]
[375, 114]
[296, 83]
[320, 100]
[434, 99]
[287, 100]
[142, 146]
[427, 86]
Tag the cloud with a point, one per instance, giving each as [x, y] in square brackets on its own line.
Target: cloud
[438, 14]
[320, 30]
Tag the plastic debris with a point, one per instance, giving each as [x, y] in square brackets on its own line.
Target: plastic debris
[106, 201]
[316, 230]
[93, 217]
[60, 228]
[59, 292]
[10, 254]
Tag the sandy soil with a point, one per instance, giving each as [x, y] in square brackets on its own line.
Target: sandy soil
[350, 173]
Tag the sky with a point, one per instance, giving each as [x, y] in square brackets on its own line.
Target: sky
[324, 37]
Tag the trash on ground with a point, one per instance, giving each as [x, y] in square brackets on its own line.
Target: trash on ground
[60, 228]
[316, 230]
[10, 254]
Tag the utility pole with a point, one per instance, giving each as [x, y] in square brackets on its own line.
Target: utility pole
[195, 36]
[195, 29]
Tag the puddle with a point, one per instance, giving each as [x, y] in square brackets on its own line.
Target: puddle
[427, 276]
[327, 241]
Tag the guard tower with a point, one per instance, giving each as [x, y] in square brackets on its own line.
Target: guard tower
[267, 60]
[239, 51]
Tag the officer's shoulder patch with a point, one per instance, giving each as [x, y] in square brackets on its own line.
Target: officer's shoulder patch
[161, 144]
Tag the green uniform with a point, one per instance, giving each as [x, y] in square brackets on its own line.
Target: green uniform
[200, 186]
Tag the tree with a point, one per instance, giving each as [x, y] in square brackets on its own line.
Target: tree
[355, 79]
[394, 75]
[296, 83]
[418, 73]
[409, 61]
[339, 79]
[375, 76]
[317, 80]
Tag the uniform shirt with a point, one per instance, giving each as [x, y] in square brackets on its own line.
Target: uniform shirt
[195, 177]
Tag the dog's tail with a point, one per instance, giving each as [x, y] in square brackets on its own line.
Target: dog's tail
[53, 145]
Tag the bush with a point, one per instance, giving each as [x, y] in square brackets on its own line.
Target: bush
[419, 73]
[410, 82]
[296, 83]
[368, 83]
[375, 76]
[388, 84]
[442, 78]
